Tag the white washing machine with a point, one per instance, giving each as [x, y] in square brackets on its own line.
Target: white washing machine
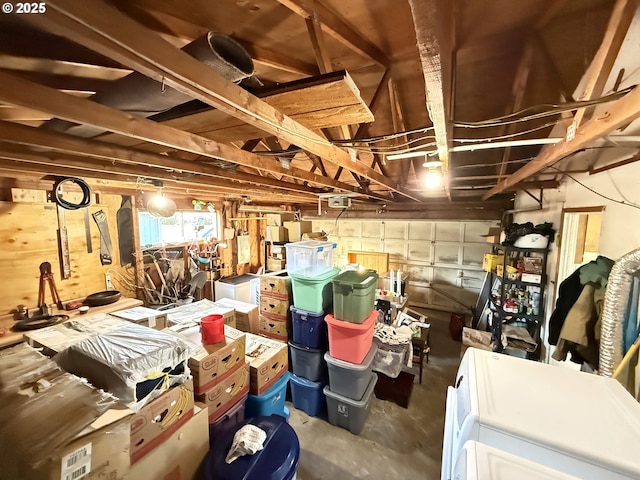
[577, 423]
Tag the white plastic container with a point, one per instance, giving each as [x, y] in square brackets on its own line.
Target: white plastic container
[239, 288]
[310, 258]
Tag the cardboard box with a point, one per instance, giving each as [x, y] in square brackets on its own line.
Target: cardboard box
[210, 364]
[275, 265]
[491, 261]
[279, 251]
[276, 284]
[193, 312]
[60, 427]
[144, 316]
[226, 393]
[59, 337]
[278, 219]
[246, 314]
[297, 229]
[277, 234]
[494, 235]
[275, 307]
[155, 422]
[180, 456]
[531, 278]
[274, 328]
[268, 359]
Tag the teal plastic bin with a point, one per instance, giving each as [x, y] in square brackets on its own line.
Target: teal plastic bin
[354, 293]
[313, 294]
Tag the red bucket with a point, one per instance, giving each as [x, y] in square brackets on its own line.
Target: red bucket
[212, 329]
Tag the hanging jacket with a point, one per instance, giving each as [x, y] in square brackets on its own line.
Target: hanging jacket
[568, 293]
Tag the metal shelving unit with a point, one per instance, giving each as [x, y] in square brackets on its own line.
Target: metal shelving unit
[500, 316]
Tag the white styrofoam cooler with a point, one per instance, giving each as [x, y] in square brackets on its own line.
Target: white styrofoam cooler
[577, 423]
[244, 288]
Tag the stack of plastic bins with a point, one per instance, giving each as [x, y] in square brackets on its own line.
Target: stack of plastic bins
[270, 402]
[354, 294]
[307, 359]
[313, 294]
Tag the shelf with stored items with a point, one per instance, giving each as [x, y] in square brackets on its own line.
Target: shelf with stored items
[268, 246]
[516, 301]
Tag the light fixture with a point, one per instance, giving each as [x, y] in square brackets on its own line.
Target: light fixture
[433, 178]
[431, 163]
[160, 206]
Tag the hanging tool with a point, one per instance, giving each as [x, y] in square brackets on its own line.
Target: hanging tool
[87, 229]
[47, 277]
[105, 238]
[63, 245]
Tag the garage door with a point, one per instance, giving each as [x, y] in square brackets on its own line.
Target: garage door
[443, 258]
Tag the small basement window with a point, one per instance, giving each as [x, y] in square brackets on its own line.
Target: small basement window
[183, 226]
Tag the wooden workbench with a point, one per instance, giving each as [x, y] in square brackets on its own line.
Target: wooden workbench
[11, 338]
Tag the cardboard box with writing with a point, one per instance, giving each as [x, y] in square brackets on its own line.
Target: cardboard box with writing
[227, 393]
[155, 422]
[278, 219]
[246, 314]
[276, 328]
[490, 261]
[268, 359]
[144, 316]
[60, 428]
[277, 234]
[276, 284]
[297, 229]
[180, 457]
[210, 364]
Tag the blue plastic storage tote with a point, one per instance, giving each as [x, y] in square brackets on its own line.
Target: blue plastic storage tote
[270, 402]
[278, 460]
[226, 422]
[308, 396]
[309, 328]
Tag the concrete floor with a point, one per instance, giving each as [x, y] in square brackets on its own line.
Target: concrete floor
[396, 442]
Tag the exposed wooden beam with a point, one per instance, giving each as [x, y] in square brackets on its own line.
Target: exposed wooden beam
[317, 41]
[553, 68]
[621, 112]
[397, 121]
[110, 32]
[602, 63]
[30, 95]
[99, 168]
[374, 103]
[337, 28]
[37, 137]
[277, 60]
[535, 185]
[60, 67]
[518, 91]
[549, 13]
[431, 20]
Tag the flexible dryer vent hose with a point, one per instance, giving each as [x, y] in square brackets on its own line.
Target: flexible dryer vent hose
[616, 301]
[143, 96]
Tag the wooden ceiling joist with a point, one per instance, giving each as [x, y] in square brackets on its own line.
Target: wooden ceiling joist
[621, 112]
[132, 171]
[60, 67]
[30, 95]
[38, 137]
[336, 27]
[109, 32]
[433, 20]
[601, 65]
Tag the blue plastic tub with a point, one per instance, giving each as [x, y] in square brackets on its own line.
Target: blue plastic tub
[226, 422]
[278, 460]
[309, 328]
[308, 396]
[270, 402]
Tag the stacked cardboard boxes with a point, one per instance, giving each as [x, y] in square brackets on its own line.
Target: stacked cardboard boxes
[275, 303]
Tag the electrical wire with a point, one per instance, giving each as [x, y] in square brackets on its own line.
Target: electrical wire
[506, 136]
[67, 205]
[621, 202]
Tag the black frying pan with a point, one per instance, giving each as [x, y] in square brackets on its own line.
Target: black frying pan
[102, 298]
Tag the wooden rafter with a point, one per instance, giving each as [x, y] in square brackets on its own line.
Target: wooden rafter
[621, 112]
[336, 27]
[317, 41]
[602, 63]
[27, 94]
[111, 33]
[432, 20]
[517, 97]
[553, 68]
[60, 67]
[70, 144]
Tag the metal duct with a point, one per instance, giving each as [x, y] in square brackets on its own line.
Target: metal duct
[143, 96]
[616, 300]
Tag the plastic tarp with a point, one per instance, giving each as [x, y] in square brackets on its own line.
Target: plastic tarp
[134, 363]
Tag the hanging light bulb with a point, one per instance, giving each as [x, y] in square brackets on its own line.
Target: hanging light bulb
[433, 178]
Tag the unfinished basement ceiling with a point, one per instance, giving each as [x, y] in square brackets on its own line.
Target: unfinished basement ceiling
[505, 56]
